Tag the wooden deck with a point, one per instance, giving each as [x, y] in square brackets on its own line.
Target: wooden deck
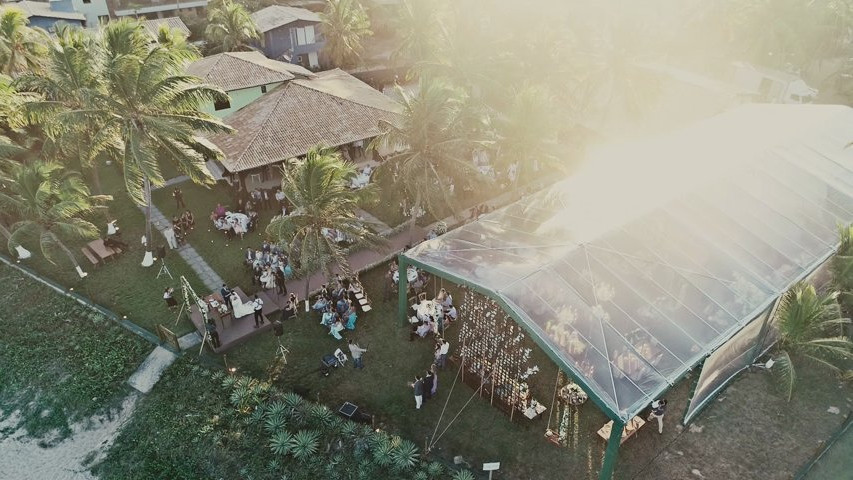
[234, 331]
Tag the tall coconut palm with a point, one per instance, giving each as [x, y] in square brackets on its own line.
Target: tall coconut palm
[149, 110]
[810, 328]
[51, 205]
[418, 26]
[527, 131]
[21, 46]
[434, 146]
[318, 188]
[71, 73]
[176, 42]
[230, 27]
[345, 26]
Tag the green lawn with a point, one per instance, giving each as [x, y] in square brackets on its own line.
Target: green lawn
[199, 424]
[226, 258]
[122, 285]
[481, 433]
[61, 362]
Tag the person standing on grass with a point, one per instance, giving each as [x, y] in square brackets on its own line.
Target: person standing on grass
[434, 372]
[418, 387]
[428, 378]
[258, 305]
[179, 199]
[442, 353]
[170, 298]
[356, 352]
[658, 411]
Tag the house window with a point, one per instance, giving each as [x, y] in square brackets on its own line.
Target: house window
[309, 34]
[222, 104]
[300, 36]
[263, 89]
[87, 1]
[103, 19]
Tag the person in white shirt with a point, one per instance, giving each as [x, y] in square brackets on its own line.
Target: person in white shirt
[258, 305]
[442, 353]
[451, 314]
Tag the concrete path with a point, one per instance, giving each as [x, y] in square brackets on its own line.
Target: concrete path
[211, 279]
[381, 228]
[144, 378]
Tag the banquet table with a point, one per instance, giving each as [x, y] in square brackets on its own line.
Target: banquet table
[427, 308]
[411, 275]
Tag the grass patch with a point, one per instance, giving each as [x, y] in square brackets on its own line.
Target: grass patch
[225, 258]
[61, 362]
[122, 285]
[480, 434]
[200, 424]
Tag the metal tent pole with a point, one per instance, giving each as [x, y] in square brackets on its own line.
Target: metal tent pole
[402, 289]
[612, 452]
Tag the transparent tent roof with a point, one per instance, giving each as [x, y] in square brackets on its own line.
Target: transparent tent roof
[637, 267]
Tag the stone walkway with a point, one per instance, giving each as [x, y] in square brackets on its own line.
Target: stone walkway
[211, 279]
[381, 228]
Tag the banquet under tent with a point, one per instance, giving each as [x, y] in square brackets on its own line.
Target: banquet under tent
[686, 241]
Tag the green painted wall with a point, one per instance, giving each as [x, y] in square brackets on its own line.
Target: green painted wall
[239, 99]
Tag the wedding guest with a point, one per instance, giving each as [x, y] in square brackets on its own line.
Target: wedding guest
[434, 371]
[418, 387]
[428, 378]
[169, 298]
[289, 310]
[336, 329]
[219, 211]
[445, 349]
[212, 333]
[179, 198]
[280, 281]
[658, 411]
[258, 306]
[356, 351]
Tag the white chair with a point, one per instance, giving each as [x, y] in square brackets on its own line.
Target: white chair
[366, 308]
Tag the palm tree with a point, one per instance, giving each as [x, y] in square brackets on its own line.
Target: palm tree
[149, 112]
[71, 73]
[345, 26]
[230, 27]
[51, 205]
[527, 131]
[318, 188]
[810, 327]
[21, 46]
[434, 145]
[176, 42]
[418, 23]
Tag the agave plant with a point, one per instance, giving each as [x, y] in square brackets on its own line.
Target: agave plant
[320, 417]
[292, 401]
[383, 450]
[280, 443]
[256, 417]
[463, 475]
[434, 469]
[275, 422]
[229, 382]
[405, 454]
[810, 327]
[304, 444]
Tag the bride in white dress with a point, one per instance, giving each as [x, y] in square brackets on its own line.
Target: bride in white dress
[239, 308]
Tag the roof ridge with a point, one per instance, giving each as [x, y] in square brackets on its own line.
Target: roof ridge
[280, 94]
[304, 81]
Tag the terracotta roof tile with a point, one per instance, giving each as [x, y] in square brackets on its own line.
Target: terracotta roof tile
[294, 117]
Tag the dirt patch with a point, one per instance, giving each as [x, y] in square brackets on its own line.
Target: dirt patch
[24, 458]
